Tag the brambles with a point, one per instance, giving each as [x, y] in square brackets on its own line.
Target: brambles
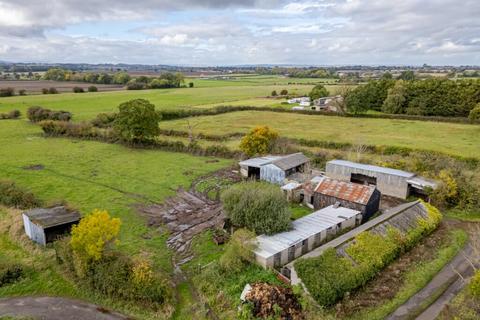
[238, 251]
[257, 206]
[258, 141]
[12, 195]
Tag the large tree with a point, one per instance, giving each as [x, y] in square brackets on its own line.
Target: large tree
[259, 141]
[396, 98]
[318, 91]
[137, 121]
[258, 206]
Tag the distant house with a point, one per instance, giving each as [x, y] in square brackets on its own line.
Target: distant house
[307, 233]
[327, 104]
[46, 225]
[363, 198]
[391, 182]
[274, 169]
[299, 100]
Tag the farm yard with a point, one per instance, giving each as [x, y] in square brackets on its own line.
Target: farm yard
[168, 200]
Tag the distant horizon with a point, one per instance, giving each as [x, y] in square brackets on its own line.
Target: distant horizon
[242, 32]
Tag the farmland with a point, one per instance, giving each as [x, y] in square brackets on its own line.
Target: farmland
[92, 174]
[35, 87]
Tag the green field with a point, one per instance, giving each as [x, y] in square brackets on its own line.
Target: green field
[451, 138]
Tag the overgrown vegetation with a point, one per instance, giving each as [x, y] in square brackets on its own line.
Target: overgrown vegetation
[37, 114]
[14, 114]
[329, 277]
[258, 206]
[12, 195]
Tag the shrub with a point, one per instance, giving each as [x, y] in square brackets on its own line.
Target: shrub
[258, 141]
[7, 92]
[317, 92]
[104, 120]
[14, 114]
[190, 84]
[238, 251]
[284, 92]
[92, 89]
[257, 206]
[22, 92]
[330, 276]
[52, 91]
[10, 273]
[45, 91]
[12, 195]
[78, 90]
[94, 234]
[474, 286]
[137, 121]
[36, 114]
[134, 85]
[474, 114]
[274, 93]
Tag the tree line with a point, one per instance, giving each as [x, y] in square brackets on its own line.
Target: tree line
[430, 97]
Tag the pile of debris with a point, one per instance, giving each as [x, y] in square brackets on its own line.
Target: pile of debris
[185, 215]
[274, 301]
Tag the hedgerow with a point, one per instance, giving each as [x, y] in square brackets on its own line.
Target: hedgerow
[330, 276]
[37, 114]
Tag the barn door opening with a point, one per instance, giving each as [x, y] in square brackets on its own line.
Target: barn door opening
[363, 179]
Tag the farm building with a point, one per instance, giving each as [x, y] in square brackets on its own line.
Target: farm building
[327, 104]
[46, 225]
[363, 198]
[274, 169]
[390, 182]
[307, 233]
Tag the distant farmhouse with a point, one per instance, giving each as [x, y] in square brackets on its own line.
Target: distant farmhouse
[307, 233]
[274, 169]
[46, 225]
[327, 104]
[363, 198]
[391, 182]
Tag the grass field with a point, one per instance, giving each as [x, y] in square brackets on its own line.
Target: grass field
[451, 138]
[86, 106]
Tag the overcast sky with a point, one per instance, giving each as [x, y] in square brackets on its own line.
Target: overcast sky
[227, 32]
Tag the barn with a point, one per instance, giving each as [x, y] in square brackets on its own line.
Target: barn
[307, 233]
[274, 169]
[46, 225]
[390, 182]
[363, 198]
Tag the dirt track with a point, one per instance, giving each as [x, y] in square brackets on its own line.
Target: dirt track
[53, 308]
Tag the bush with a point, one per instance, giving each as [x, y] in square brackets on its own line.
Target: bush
[78, 90]
[274, 93]
[104, 120]
[7, 92]
[330, 276]
[12, 195]
[10, 273]
[258, 206]
[52, 91]
[238, 251]
[258, 141]
[474, 286]
[137, 121]
[22, 92]
[14, 114]
[45, 91]
[317, 92]
[284, 92]
[36, 114]
[92, 89]
[474, 114]
[134, 85]
[190, 84]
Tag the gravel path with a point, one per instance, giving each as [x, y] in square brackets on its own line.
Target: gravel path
[447, 281]
[53, 308]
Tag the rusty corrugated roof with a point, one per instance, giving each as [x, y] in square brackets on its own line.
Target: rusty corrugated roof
[353, 192]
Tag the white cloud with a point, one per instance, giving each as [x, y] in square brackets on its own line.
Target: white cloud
[176, 40]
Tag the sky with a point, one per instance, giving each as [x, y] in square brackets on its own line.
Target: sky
[236, 32]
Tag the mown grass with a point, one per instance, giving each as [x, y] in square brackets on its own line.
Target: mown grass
[418, 277]
[450, 138]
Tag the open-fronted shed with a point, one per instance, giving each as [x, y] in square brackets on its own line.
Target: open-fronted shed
[46, 225]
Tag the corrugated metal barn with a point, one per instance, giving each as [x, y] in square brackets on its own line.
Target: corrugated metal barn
[363, 198]
[46, 225]
[390, 182]
[274, 169]
[307, 234]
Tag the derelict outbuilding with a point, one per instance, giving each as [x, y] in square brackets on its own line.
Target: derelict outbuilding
[46, 225]
[363, 198]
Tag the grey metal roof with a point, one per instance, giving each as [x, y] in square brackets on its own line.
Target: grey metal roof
[51, 217]
[291, 161]
[368, 167]
[258, 162]
[302, 229]
[422, 182]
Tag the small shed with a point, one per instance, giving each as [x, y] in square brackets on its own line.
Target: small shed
[307, 233]
[274, 169]
[46, 225]
[363, 198]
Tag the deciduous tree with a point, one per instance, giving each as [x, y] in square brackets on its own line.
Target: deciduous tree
[259, 141]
